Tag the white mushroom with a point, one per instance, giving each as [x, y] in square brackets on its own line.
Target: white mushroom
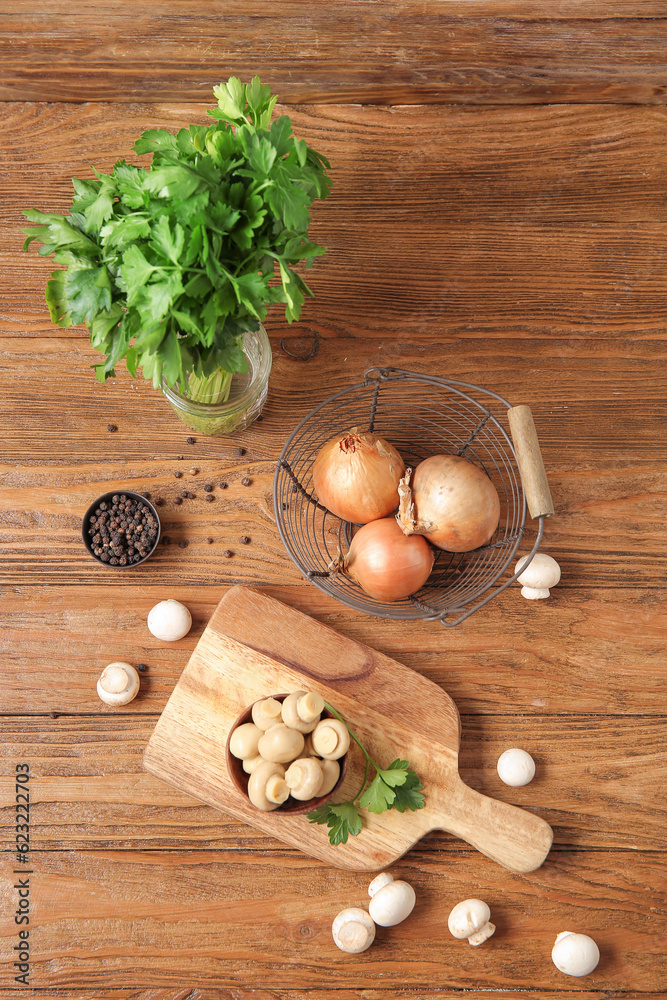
[244, 741]
[169, 620]
[542, 573]
[304, 778]
[384, 878]
[298, 711]
[331, 739]
[392, 903]
[330, 773]
[575, 954]
[118, 684]
[353, 930]
[266, 713]
[470, 919]
[266, 786]
[251, 763]
[280, 743]
[516, 767]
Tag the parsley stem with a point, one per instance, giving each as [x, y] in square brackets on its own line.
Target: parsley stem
[369, 759]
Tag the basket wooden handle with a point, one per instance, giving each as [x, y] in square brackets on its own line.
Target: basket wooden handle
[529, 458]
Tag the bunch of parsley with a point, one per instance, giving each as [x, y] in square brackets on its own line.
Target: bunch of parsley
[394, 787]
[169, 265]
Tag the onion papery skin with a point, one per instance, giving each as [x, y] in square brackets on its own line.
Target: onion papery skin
[356, 476]
[451, 502]
[387, 564]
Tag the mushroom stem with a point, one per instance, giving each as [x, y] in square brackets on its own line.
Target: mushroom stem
[482, 934]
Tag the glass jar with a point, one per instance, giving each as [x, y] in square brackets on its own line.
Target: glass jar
[246, 395]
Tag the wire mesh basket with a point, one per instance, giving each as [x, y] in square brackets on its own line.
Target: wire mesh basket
[420, 415]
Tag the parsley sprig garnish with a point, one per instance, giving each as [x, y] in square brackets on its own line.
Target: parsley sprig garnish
[394, 787]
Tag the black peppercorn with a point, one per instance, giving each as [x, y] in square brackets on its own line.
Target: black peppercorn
[209, 498]
[241, 451]
[246, 481]
[142, 666]
[182, 545]
[228, 553]
[208, 488]
[178, 501]
[178, 474]
[244, 540]
[111, 428]
[223, 486]
[209, 541]
[190, 440]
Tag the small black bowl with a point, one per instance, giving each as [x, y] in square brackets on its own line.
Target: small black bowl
[108, 498]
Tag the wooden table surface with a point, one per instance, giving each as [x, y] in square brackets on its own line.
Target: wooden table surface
[498, 215]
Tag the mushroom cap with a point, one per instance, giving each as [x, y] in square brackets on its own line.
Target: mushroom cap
[575, 954]
[468, 917]
[516, 767]
[392, 903]
[304, 778]
[280, 743]
[353, 930]
[330, 775]
[290, 714]
[384, 878]
[257, 783]
[542, 573]
[169, 620]
[266, 713]
[244, 740]
[118, 684]
[331, 739]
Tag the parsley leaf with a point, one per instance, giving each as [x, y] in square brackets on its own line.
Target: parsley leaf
[170, 264]
[394, 787]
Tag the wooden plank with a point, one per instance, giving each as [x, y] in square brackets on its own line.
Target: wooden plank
[404, 53]
[41, 510]
[332, 993]
[546, 222]
[595, 784]
[157, 919]
[601, 653]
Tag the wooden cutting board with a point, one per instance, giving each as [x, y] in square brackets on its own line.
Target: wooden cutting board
[255, 646]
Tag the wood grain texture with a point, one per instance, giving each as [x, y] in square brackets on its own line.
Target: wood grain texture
[443, 222]
[164, 918]
[607, 650]
[389, 53]
[254, 647]
[88, 790]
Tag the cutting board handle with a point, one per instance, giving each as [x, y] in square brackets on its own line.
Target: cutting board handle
[514, 837]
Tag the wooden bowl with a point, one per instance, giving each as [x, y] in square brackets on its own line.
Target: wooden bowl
[240, 777]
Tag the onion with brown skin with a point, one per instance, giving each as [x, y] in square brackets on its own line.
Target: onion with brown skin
[356, 476]
[451, 502]
[387, 564]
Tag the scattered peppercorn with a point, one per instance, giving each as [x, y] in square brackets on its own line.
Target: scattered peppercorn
[185, 494]
[182, 545]
[142, 666]
[244, 540]
[241, 451]
[223, 486]
[209, 541]
[191, 496]
[54, 715]
[146, 496]
[178, 474]
[208, 488]
[190, 441]
[159, 502]
[246, 481]
[228, 553]
[111, 428]
[209, 498]
[259, 418]
[178, 501]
